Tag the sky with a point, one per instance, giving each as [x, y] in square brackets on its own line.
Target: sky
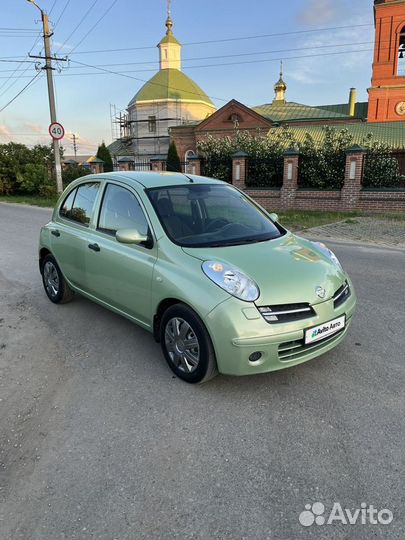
[84, 94]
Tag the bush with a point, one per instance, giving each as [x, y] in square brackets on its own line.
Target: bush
[25, 170]
[381, 168]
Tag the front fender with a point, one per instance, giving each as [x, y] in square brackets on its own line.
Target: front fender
[179, 276]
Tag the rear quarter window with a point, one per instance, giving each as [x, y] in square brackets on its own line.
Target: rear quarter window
[79, 204]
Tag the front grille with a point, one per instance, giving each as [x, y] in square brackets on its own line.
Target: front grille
[292, 350]
[341, 295]
[286, 313]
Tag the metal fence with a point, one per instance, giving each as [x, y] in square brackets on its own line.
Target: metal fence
[141, 165]
[265, 173]
[217, 168]
[383, 170]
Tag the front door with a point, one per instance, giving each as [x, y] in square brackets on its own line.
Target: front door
[121, 274]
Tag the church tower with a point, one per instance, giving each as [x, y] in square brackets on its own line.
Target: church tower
[386, 101]
[170, 98]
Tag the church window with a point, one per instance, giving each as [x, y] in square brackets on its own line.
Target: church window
[401, 53]
[152, 124]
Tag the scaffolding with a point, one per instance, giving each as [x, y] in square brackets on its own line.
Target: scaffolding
[128, 126]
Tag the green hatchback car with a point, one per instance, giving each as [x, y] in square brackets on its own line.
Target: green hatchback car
[216, 279]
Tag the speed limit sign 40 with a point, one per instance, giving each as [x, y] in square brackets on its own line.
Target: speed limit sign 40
[56, 131]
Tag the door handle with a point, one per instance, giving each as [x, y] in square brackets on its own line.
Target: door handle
[94, 247]
[55, 232]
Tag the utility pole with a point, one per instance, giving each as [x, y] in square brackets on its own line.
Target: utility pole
[51, 93]
[74, 139]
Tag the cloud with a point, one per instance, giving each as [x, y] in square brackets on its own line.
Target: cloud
[5, 132]
[35, 128]
[318, 12]
[317, 69]
[62, 46]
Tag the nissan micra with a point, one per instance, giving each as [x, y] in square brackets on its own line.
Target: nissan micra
[217, 280]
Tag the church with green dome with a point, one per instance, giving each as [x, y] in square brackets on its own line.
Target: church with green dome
[170, 98]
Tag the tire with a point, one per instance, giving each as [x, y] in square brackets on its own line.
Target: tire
[56, 288]
[193, 364]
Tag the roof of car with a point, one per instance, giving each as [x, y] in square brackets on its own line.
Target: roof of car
[154, 179]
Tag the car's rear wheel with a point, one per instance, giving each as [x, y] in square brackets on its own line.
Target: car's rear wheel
[56, 288]
[186, 345]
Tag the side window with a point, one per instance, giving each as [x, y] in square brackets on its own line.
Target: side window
[83, 203]
[121, 210]
[66, 207]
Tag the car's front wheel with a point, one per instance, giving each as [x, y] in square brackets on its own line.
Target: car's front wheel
[186, 345]
[56, 288]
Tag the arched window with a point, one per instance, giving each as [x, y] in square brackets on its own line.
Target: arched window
[401, 53]
[188, 164]
[189, 154]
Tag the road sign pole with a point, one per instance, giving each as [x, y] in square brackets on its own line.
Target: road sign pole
[51, 95]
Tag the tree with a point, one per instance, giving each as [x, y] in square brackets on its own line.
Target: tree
[173, 160]
[104, 154]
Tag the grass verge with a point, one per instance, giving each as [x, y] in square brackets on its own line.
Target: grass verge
[30, 199]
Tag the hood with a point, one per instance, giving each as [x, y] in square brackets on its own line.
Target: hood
[287, 270]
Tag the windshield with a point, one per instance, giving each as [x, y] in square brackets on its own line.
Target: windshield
[201, 215]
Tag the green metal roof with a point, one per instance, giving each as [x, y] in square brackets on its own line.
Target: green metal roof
[390, 133]
[360, 111]
[290, 111]
[170, 84]
[118, 148]
[169, 38]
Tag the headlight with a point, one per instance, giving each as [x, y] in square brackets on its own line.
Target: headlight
[231, 280]
[329, 253]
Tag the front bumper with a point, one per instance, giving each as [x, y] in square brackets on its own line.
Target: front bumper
[237, 330]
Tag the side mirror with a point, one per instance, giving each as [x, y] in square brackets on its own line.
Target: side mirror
[130, 236]
[273, 216]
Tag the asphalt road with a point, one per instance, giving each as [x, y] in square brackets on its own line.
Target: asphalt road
[99, 440]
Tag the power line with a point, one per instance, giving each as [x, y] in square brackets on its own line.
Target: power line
[95, 24]
[315, 47]
[78, 25]
[53, 5]
[138, 79]
[258, 36]
[221, 64]
[123, 73]
[238, 55]
[21, 91]
[61, 13]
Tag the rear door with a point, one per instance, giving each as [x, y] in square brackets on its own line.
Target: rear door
[121, 274]
[70, 233]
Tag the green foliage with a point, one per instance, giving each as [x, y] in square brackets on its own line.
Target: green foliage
[323, 167]
[25, 170]
[73, 171]
[381, 169]
[104, 154]
[173, 161]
